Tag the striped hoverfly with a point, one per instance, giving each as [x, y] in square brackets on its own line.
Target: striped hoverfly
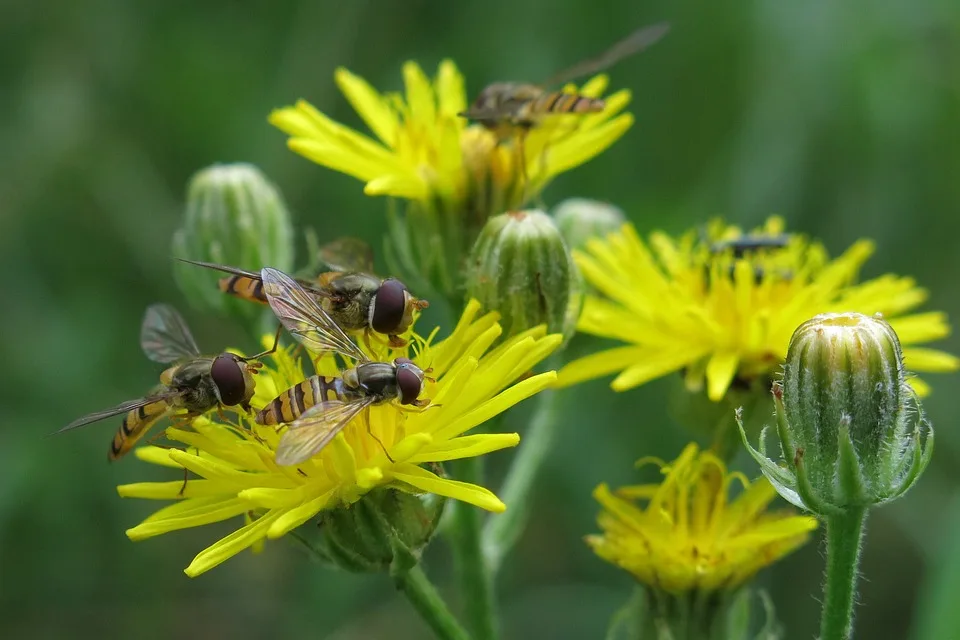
[319, 408]
[192, 386]
[344, 285]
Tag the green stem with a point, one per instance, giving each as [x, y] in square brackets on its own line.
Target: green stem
[844, 534]
[503, 530]
[428, 603]
[476, 583]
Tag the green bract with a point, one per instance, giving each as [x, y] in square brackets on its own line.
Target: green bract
[852, 431]
[580, 219]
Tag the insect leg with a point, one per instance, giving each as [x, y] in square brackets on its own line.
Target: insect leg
[366, 422]
[521, 152]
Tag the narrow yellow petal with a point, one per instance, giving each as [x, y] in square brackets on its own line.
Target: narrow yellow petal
[921, 327]
[419, 94]
[654, 365]
[231, 545]
[466, 447]
[496, 405]
[295, 517]
[410, 446]
[721, 369]
[598, 365]
[369, 105]
[172, 490]
[921, 388]
[578, 149]
[191, 513]
[339, 159]
[451, 94]
[405, 185]
[156, 455]
[921, 359]
[463, 491]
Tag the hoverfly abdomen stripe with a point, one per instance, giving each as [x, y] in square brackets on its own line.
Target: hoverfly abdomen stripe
[548, 103]
[258, 291]
[243, 287]
[134, 425]
[587, 105]
[330, 388]
[297, 401]
[228, 285]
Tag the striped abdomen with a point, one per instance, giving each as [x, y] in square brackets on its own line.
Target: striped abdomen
[293, 402]
[244, 287]
[560, 102]
[135, 424]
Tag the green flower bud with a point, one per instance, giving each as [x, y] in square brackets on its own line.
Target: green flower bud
[234, 216]
[386, 529]
[580, 219]
[852, 431]
[520, 266]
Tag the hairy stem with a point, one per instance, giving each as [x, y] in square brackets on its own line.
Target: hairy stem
[424, 597]
[844, 535]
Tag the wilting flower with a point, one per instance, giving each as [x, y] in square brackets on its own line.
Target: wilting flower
[723, 308]
[452, 174]
[240, 478]
[685, 534]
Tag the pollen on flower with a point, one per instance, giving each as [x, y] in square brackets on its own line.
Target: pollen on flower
[238, 475]
[686, 534]
[722, 306]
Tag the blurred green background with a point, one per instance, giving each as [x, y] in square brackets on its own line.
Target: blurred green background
[843, 117]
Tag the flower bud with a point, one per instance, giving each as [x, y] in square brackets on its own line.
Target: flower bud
[852, 431]
[520, 266]
[234, 216]
[385, 529]
[580, 219]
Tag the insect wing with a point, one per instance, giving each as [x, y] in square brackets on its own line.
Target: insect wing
[165, 336]
[316, 428]
[121, 408]
[633, 43]
[253, 275]
[304, 318]
[347, 254]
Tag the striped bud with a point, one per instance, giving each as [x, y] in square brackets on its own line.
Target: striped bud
[851, 429]
[520, 266]
[580, 219]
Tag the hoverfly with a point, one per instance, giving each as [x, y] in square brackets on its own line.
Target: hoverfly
[750, 247]
[511, 109]
[320, 407]
[345, 288]
[195, 384]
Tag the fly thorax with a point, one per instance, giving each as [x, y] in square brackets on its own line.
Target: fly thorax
[351, 301]
[378, 379]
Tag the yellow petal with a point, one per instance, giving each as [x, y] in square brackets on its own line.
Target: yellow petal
[466, 447]
[720, 372]
[172, 490]
[232, 544]
[920, 359]
[397, 185]
[501, 402]
[451, 95]
[654, 365]
[463, 491]
[369, 105]
[295, 517]
[190, 513]
[598, 365]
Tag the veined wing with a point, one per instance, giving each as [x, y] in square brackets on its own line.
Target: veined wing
[316, 428]
[121, 408]
[165, 336]
[633, 43]
[304, 318]
[253, 275]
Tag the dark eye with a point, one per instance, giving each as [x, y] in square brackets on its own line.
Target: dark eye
[409, 381]
[227, 374]
[388, 306]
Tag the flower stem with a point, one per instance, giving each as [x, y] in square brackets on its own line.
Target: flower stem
[503, 530]
[428, 603]
[476, 583]
[844, 534]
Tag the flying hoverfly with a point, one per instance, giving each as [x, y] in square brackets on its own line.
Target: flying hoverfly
[345, 287]
[510, 109]
[320, 407]
[194, 385]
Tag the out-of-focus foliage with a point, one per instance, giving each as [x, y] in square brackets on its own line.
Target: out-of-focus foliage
[843, 117]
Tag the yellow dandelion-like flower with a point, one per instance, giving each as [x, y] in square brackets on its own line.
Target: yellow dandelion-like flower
[238, 475]
[685, 534]
[425, 152]
[721, 313]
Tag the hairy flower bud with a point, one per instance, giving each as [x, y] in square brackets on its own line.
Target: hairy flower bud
[234, 216]
[580, 219]
[386, 529]
[852, 431]
[520, 266]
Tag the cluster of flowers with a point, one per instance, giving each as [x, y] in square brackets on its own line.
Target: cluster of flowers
[703, 305]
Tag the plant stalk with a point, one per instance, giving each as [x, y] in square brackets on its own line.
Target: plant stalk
[844, 535]
[424, 597]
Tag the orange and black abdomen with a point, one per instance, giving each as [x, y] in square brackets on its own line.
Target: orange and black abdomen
[558, 102]
[293, 402]
[244, 287]
[135, 424]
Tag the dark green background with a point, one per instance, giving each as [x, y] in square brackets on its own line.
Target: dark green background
[843, 117]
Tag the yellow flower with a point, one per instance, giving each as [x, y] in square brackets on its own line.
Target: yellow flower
[688, 535]
[682, 304]
[425, 152]
[238, 474]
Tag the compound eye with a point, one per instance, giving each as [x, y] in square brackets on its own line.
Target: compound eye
[410, 382]
[227, 374]
[389, 306]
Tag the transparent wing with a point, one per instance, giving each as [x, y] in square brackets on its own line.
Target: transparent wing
[304, 318]
[314, 430]
[347, 254]
[253, 275]
[633, 43]
[121, 408]
[165, 336]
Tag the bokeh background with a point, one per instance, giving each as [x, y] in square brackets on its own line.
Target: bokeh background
[843, 117]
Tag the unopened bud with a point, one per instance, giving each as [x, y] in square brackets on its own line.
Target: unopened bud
[386, 529]
[234, 216]
[520, 266]
[851, 429]
[580, 219]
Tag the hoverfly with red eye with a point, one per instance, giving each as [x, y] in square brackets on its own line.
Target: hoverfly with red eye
[320, 407]
[344, 286]
[194, 385]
